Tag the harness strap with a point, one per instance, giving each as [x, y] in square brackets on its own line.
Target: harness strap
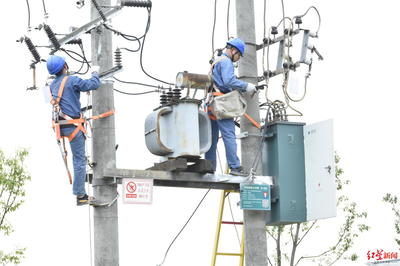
[56, 101]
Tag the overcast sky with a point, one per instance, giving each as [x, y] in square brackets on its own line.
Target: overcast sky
[356, 85]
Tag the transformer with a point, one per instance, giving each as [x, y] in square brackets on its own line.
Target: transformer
[178, 129]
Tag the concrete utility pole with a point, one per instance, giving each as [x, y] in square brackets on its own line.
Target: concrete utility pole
[105, 218]
[254, 221]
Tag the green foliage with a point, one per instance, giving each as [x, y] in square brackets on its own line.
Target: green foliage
[12, 181]
[351, 227]
[391, 199]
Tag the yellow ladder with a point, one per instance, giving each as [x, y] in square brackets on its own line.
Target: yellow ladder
[224, 194]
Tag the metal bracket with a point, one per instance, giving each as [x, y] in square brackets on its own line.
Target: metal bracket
[88, 26]
[104, 181]
[246, 134]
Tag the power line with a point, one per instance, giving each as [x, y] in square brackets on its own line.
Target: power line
[213, 30]
[227, 19]
[44, 9]
[195, 210]
[135, 93]
[141, 51]
[29, 15]
[137, 83]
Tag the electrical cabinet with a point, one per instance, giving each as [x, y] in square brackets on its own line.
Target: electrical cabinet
[301, 160]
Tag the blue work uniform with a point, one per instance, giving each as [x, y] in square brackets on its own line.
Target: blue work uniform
[71, 106]
[225, 80]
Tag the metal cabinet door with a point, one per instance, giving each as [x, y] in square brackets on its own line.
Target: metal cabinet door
[320, 170]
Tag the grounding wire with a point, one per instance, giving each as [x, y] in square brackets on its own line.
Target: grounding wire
[141, 51]
[136, 83]
[195, 210]
[29, 15]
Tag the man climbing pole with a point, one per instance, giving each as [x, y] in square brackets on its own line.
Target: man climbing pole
[225, 81]
[65, 93]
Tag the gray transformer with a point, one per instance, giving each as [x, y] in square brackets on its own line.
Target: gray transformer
[178, 129]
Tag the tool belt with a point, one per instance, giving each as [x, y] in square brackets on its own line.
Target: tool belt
[228, 105]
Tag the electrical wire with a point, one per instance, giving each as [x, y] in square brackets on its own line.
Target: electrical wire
[44, 9]
[137, 83]
[84, 60]
[29, 15]
[319, 17]
[227, 19]
[195, 210]
[213, 29]
[141, 51]
[135, 93]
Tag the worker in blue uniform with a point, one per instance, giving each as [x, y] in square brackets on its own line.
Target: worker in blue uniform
[225, 81]
[70, 108]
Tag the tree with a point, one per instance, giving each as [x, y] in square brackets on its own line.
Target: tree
[391, 199]
[12, 181]
[287, 238]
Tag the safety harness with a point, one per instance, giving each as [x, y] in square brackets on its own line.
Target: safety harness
[60, 119]
[215, 92]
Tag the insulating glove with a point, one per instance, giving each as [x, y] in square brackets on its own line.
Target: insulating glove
[250, 88]
[95, 69]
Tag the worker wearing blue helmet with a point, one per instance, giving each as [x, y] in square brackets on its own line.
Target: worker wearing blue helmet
[225, 81]
[70, 108]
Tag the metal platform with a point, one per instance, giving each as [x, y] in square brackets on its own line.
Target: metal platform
[180, 179]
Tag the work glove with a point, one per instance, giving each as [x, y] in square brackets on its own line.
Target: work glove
[95, 69]
[251, 88]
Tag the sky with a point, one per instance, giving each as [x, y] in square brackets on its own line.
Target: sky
[356, 85]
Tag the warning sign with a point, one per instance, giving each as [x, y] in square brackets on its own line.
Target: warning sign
[255, 197]
[137, 191]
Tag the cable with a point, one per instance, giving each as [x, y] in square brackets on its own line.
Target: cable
[138, 93]
[29, 15]
[137, 83]
[198, 205]
[213, 30]
[44, 9]
[141, 51]
[67, 52]
[319, 17]
[227, 19]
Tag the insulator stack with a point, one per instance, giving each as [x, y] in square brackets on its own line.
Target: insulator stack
[32, 49]
[274, 30]
[170, 96]
[75, 41]
[52, 37]
[163, 99]
[103, 17]
[176, 94]
[136, 3]
[118, 57]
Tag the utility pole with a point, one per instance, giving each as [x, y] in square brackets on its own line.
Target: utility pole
[254, 221]
[106, 252]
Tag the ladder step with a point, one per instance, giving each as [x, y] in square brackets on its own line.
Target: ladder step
[229, 254]
[238, 223]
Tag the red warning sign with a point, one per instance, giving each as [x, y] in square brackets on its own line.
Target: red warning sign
[131, 187]
[137, 190]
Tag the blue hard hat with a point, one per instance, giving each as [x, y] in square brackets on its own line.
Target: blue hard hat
[55, 64]
[238, 44]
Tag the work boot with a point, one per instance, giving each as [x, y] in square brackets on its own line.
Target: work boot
[83, 200]
[238, 171]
